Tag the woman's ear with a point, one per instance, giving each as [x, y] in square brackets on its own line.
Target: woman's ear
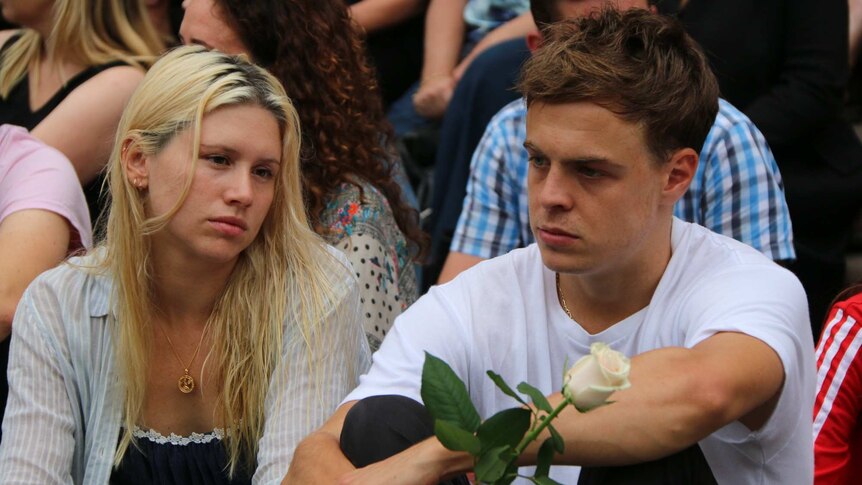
[135, 164]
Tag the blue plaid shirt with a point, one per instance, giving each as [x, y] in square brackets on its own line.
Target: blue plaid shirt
[737, 190]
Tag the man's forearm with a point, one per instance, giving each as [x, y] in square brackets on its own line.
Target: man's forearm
[374, 15]
[317, 459]
[444, 35]
[678, 397]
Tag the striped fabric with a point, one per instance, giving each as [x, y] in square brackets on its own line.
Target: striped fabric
[837, 434]
[63, 418]
[737, 190]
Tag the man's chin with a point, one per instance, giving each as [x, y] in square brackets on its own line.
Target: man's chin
[562, 263]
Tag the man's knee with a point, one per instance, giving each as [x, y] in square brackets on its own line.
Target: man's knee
[378, 427]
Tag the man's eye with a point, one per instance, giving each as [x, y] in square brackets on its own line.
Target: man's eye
[538, 161]
[590, 172]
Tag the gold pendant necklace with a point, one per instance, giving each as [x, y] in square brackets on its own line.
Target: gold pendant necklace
[186, 383]
[562, 299]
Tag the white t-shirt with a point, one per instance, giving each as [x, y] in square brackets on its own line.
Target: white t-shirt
[504, 315]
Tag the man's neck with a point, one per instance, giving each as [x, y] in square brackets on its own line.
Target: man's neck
[598, 300]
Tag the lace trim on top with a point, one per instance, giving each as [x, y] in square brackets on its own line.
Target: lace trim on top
[173, 439]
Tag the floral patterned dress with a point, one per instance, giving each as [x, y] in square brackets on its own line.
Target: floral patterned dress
[364, 228]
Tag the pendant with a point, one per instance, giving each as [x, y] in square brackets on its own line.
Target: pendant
[186, 383]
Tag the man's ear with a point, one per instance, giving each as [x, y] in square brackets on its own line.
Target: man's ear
[680, 170]
[135, 164]
[534, 40]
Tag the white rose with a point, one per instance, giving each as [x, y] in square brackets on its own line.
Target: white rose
[594, 377]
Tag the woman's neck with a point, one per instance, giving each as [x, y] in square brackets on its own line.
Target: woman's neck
[187, 293]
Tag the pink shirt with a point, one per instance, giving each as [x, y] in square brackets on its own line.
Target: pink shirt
[36, 176]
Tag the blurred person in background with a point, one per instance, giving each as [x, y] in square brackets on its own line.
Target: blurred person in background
[43, 218]
[837, 430]
[67, 74]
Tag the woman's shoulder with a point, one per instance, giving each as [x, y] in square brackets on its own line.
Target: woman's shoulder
[358, 208]
[119, 77]
[71, 276]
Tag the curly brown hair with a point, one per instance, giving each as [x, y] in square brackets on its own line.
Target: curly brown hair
[311, 46]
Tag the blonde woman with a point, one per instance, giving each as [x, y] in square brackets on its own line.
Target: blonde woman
[68, 73]
[212, 329]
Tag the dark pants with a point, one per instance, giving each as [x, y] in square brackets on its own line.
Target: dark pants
[381, 426]
[689, 466]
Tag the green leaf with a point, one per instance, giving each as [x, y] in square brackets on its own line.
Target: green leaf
[559, 444]
[498, 380]
[543, 459]
[504, 428]
[455, 438]
[445, 395]
[492, 465]
[537, 396]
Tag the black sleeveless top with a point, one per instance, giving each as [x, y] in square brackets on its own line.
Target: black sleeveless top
[16, 110]
[199, 459]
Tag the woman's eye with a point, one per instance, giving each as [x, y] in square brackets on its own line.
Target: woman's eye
[264, 172]
[218, 159]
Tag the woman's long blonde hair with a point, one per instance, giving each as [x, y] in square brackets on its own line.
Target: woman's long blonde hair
[282, 274]
[88, 32]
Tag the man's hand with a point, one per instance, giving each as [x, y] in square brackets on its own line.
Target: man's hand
[433, 96]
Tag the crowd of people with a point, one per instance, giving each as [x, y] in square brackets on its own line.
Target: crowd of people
[219, 262]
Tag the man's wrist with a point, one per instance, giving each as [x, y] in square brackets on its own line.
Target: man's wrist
[444, 462]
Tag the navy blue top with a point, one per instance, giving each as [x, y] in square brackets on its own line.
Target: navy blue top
[199, 459]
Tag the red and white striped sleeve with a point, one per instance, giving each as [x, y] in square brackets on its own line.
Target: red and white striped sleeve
[839, 392]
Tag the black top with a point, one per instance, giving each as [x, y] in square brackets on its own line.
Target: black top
[197, 460]
[784, 64]
[16, 110]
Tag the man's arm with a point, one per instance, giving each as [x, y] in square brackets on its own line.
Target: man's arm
[374, 15]
[742, 194]
[318, 458]
[519, 26]
[456, 263]
[444, 35]
[678, 397]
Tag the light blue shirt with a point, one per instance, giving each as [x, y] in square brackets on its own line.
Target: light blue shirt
[487, 15]
[737, 190]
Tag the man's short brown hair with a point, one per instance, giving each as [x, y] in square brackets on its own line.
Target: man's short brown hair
[547, 12]
[639, 65]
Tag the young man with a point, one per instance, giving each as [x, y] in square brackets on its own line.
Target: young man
[722, 368]
[737, 190]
